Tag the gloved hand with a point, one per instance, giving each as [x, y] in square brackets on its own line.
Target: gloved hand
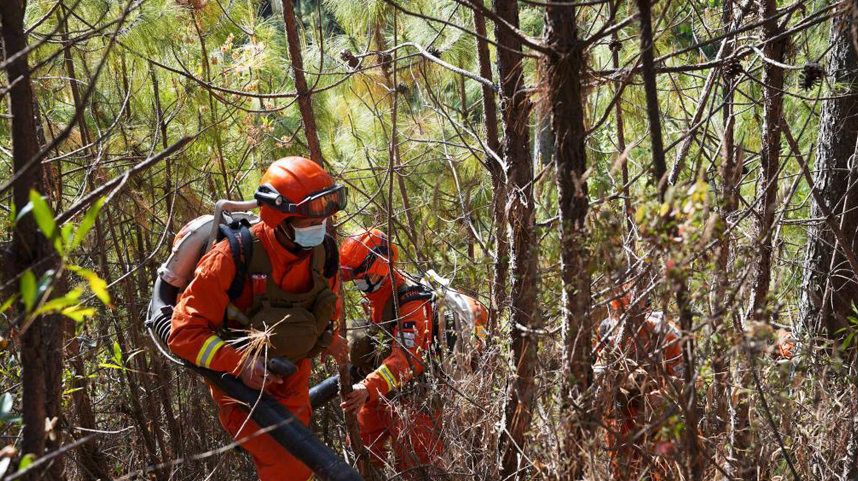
[254, 375]
[355, 399]
[326, 304]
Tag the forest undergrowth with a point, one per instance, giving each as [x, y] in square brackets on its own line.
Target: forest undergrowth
[554, 159]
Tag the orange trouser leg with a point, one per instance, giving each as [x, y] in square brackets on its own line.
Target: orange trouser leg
[374, 421]
[417, 439]
[273, 463]
[625, 459]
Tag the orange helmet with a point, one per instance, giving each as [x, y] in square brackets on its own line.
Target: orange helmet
[366, 253]
[298, 187]
[622, 302]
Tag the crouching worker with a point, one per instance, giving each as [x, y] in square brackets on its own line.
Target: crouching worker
[389, 351]
[291, 279]
[641, 351]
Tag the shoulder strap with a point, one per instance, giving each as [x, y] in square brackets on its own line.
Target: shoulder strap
[417, 292]
[326, 258]
[240, 241]
[332, 258]
[407, 293]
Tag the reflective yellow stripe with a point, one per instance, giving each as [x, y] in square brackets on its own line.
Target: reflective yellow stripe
[480, 331]
[388, 377]
[234, 314]
[207, 352]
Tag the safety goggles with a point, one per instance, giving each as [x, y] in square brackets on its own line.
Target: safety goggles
[352, 273]
[318, 204]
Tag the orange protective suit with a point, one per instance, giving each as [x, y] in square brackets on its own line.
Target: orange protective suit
[199, 315]
[418, 441]
[658, 340]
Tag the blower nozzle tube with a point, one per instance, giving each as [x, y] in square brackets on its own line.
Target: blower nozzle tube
[288, 430]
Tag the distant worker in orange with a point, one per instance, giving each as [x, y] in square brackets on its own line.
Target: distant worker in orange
[291, 276]
[646, 361]
[391, 351]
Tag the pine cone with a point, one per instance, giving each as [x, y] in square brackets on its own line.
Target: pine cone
[615, 45]
[811, 74]
[733, 69]
[402, 88]
[347, 56]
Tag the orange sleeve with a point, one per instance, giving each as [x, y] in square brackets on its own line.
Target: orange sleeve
[413, 339]
[199, 314]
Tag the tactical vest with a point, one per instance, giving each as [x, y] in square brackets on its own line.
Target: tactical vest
[298, 325]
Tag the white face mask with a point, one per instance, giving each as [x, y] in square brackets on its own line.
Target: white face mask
[312, 236]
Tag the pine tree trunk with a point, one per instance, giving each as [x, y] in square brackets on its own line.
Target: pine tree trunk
[621, 144]
[829, 288]
[563, 69]
[730, 172]
[53, 337]
[693, 449]
[27, 250]
[304, 102]
[515, 109]
[498, 177]
[93, 464]
[773, 79]
[659, 168]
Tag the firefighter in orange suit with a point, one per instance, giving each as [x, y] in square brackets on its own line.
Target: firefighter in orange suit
[367, 259]
[656, 348]
[291, 280]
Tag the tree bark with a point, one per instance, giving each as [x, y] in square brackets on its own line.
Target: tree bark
[93, 464]
[52, 333]
[27, 251]
[304, 102]
[730, 172]
[564, 69]
[659, 167]
[693, 449]
[773, 80]
[828, 291]
[498, 177]
[515, 109]
[615, 46]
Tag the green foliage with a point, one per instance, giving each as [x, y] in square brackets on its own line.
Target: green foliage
[28, 289]
[850, 332]
[26, 461]
[64, 240]
[45, 220]
[86, 224]
[116, 359]
[439, 132]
